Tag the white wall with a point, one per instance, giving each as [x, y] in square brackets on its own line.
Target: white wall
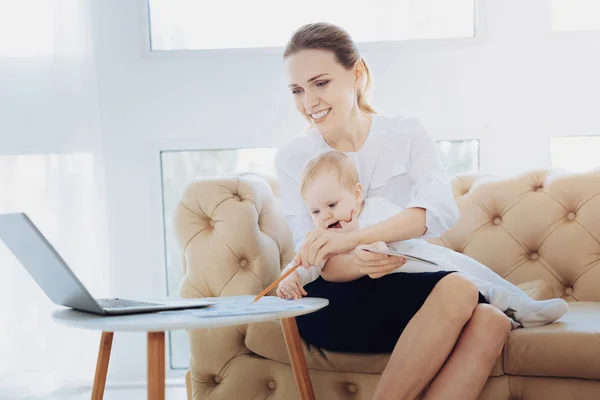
[512, 87]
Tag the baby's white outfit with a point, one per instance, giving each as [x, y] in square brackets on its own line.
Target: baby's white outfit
[497, 291]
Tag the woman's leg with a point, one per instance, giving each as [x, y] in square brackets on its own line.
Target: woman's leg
[428, 339]
[473, 358]
[501, 293]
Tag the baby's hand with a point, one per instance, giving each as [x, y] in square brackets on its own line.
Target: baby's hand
[290, 287]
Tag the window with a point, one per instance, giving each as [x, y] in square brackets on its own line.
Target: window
[575, 153]
[178, 167]
[459, 156]
[62, 196]
[193, 24]
[26, 28]
[575, 15]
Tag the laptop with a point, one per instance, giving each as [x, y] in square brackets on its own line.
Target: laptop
[58, 281]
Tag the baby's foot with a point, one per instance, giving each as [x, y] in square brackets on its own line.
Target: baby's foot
[539, 313]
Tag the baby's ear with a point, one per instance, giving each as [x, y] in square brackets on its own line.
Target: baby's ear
[358, 192]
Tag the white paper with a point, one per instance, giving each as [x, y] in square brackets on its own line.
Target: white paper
[235, 306]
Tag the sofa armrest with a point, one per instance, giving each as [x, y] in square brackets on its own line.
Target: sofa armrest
[232, 234]
[234, 240]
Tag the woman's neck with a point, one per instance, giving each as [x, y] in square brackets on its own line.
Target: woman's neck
[352, 135]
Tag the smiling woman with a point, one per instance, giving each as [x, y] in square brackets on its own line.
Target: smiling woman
[396, 159]
[330, 79]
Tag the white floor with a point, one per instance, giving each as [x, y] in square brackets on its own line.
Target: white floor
[125, 394]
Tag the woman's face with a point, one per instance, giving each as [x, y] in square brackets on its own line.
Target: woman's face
[323, 90]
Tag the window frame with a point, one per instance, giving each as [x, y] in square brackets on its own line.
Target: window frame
[568, 136]
[437, 141]
[594, 32]
[479, 36]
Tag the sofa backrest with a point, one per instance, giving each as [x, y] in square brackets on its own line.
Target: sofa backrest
[542, 225]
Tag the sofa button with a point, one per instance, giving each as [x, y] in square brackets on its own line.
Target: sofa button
[272, 385]
[497, 221]
[352, 388]
[217, 379]
[569, 291]
[571, 216]
[243, 263]
[211, 223]
[237, 197]
[534, 256]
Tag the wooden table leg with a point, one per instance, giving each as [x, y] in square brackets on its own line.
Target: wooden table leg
[102, 365]
[294, 347]
[156, 366]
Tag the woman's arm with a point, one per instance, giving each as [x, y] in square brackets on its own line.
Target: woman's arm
[433, 209]
[348, 267]
[321, 244]
[407, 224]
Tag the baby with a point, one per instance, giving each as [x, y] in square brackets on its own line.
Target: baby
[333, 195]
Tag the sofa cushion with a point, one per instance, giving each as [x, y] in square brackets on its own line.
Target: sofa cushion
[568, 348]
[266, 339]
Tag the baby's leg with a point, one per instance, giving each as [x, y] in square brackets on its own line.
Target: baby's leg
[452, 260]
[501, 293]
[496, 295]
[476, 269]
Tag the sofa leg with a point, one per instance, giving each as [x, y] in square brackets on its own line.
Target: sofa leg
[102, 365]
[297, 358]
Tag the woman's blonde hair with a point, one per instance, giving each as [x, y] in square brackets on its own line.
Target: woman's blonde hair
[326, 36]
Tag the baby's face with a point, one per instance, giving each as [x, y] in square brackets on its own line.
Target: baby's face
[332, 206]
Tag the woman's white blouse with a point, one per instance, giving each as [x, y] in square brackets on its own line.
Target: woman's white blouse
[398, 161]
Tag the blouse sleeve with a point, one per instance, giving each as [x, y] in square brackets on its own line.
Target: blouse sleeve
[431, 186]
[293, 205]
[307, 275]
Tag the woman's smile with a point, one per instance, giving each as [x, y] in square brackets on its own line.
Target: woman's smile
[320, 116]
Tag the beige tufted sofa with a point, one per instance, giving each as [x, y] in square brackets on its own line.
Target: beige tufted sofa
[540, 230]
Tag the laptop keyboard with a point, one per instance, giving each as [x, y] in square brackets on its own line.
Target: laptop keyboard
[120, 303]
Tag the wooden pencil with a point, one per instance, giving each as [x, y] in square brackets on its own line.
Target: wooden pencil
[274, 284]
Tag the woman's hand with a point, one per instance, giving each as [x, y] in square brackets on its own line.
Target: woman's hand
[321, 244]
[377, 265]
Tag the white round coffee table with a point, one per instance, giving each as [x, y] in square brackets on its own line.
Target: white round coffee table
[227, 311]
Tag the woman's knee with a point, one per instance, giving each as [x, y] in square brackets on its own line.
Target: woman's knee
[486, 315]
[456, 296]
[490, 327]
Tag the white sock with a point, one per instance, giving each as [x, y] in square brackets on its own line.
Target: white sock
[537, 313]
[524, 310]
